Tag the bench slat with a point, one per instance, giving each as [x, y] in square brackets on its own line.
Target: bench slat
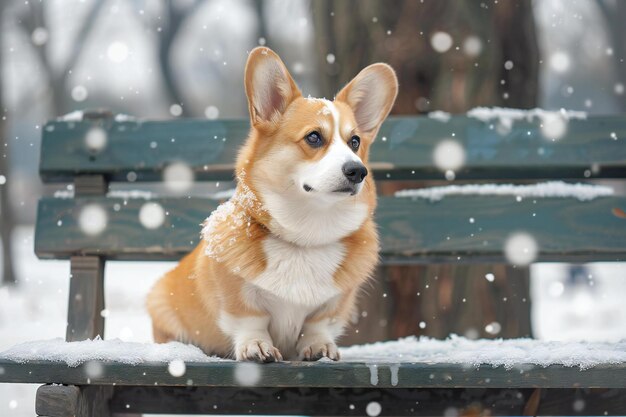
[403, 150]
[358, 401]
[412, 231]
[323, 374]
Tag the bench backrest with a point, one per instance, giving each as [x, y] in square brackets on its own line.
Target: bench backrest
[403, 150]
[464, 228]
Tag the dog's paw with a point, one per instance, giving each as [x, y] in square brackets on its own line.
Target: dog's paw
[257, 351]
[318, 351]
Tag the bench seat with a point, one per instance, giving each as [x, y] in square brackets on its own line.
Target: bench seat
[323, 388]
[341, 374]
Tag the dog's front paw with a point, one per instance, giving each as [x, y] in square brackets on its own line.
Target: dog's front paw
[317, 351]
[258, 351]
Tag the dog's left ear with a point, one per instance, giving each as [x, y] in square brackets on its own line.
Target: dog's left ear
[371, 95]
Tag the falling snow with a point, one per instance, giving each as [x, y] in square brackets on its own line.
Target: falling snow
[559, 62]
[211, 112]
[92, 219]
[79, 93]
[96, 139]
[493, 328]
[117, 52]
[373, 409]
[248, 374]
[449, 155]
[40, 36]
[441, 41]
[151, 215]
[176, 110]
[178, 177]
[176, 368]
[521, 248]
[472, 46]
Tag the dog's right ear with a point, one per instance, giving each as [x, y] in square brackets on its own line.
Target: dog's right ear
[269, 86]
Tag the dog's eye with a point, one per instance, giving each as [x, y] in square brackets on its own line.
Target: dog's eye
[354, 142]
[314, 139]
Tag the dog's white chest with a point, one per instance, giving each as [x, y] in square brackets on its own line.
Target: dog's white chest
[296, 281]
[286, 321]
[300, 275]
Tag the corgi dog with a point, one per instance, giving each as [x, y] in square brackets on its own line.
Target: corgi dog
[277, 272]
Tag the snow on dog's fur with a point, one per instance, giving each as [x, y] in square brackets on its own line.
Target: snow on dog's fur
[280, 264]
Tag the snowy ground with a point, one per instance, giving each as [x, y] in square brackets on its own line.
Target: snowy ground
[593, 310]
[37, 309]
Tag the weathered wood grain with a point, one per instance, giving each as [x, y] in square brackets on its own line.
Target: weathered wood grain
[73, 401]
[412, 231]
[355, 401]
[403, 150]
[86, 298]
[324, 374]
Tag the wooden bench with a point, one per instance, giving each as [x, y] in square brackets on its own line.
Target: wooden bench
[412, 231]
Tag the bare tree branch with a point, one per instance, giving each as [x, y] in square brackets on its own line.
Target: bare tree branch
[6, 214]
[83, 35]
[36, 18]
[174, 21]
[614, 15]
[259, 8]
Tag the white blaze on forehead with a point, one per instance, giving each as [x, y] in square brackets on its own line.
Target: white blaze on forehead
[342, 151]
[335, 113]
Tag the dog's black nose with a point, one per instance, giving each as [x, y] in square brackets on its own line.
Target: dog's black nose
[354, 171]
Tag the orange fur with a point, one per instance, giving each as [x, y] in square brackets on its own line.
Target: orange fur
[225, 279]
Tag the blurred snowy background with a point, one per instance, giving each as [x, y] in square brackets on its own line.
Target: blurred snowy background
[185, 58]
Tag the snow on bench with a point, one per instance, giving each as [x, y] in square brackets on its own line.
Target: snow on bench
[78, 116]
[507, 115]
[507, 353]
[69, 193]
[76, 353]
[442, 116]
[582, 192]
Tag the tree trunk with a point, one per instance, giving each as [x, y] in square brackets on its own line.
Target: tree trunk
[361, 32]
[446, 298]
[615, 14]
[6, 217]
[175, 18]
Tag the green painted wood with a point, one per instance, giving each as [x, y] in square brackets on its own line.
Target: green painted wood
[411, 230]
[323, 374]
[403, 149]
[86, 299]
[355, 401]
